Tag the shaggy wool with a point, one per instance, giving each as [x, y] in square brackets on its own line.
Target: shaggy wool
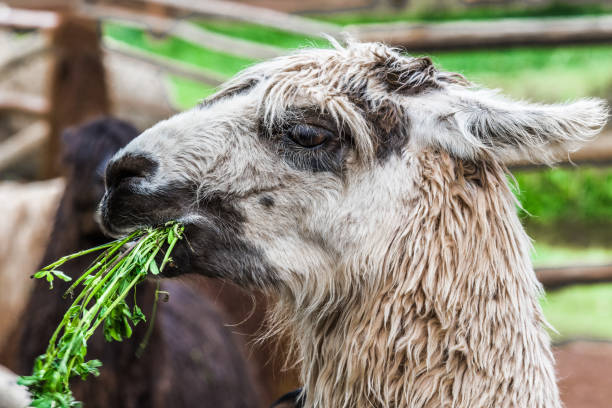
[453, 319]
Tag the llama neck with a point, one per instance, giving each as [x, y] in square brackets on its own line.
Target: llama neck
[454, 319]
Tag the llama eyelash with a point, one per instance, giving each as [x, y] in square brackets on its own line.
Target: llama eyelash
[327, 157]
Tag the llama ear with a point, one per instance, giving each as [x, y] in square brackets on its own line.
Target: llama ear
[519, 130]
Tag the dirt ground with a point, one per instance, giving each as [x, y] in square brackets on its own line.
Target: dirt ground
[585, 374]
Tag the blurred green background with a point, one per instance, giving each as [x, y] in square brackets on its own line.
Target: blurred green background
[568, 211]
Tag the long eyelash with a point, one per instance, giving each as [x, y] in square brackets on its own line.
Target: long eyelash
[329, 156]
[325, 158]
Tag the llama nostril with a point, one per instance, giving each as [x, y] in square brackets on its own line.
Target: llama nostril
[129, 168]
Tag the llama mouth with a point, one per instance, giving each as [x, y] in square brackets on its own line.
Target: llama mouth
[114, 222]
[215, 251]
[213, 245]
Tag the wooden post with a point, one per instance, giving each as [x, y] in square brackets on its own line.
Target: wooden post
[485, 34]
[558, 277]
[77, 89]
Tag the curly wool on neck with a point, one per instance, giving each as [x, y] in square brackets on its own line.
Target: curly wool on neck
[436, 328]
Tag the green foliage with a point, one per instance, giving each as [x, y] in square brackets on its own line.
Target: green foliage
[176, 48]
[262, 34]
[511, 60]
[547, 74]
[537, 73]
[555, 9]
[104, 287]
[188, 93]
[580, 311]
[51, 275]
[559, 195]
[545, 255]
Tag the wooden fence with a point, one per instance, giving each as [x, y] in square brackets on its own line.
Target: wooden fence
[479, 34]
[74, 41]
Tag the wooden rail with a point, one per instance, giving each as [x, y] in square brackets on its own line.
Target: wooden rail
[558, 277]
[24, 142]
[184, 30]
[166, 64]
[491, 33]
[21, 18]
[597, 152]
[20, 102]
[254, 15]
[26, 53]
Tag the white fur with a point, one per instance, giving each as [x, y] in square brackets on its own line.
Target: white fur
[405, 281]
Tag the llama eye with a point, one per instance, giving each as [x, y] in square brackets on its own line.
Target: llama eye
[309, 136]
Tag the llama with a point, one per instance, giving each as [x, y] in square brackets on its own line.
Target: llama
[366, 190]
[191, 356]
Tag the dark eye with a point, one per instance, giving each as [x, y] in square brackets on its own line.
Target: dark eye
[309, 135]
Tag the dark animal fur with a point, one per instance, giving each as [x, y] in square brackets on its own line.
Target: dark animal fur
[192, 359]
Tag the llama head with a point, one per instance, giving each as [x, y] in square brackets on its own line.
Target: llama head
[304, 164]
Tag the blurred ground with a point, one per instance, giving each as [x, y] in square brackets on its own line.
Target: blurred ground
[11, 395]
[584, 374]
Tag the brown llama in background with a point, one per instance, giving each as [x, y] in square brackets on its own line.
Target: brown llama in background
[191, 356]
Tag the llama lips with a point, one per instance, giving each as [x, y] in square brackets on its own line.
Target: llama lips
[106, 213]
[210, 250]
